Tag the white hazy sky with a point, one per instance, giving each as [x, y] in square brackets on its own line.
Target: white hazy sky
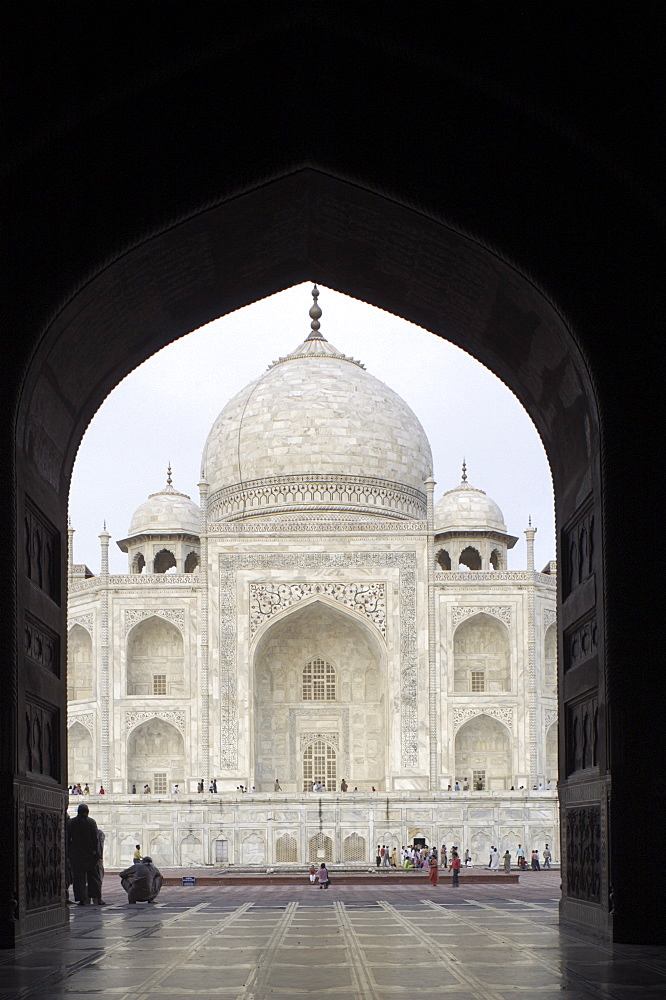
[162, 412]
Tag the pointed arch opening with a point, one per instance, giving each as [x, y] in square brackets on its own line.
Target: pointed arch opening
[319, 670]
[481, 655]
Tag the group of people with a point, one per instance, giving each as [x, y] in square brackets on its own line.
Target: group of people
[320, 876]
[142, 881]
[494, 861]
[77, 790]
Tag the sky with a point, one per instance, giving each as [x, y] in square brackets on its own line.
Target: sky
[162, 412]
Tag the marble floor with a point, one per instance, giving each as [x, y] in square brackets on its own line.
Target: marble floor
[472, 943]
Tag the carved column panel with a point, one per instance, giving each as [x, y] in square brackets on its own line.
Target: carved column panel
[584, 776]
[33, 886]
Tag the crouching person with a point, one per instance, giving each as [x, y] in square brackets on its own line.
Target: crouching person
[142, 881]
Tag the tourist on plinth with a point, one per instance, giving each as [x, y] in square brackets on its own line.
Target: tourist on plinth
[507, 862]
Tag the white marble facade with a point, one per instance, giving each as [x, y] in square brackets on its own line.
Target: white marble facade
[316, 617]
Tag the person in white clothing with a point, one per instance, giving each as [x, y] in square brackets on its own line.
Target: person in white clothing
[494, 859]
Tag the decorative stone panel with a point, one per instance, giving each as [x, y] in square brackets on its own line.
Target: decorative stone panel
[462, 715]
[41, 645]
[133, 617]
[42, 739]
[582, 733]
[134, 719]
[580, 642]
[367, 599]
[549, 717]
[549, 616]
[583, 852]
[41, 544]
[501, 611]
[579, 549]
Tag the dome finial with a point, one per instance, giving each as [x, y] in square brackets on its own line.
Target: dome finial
[169, 483]
[315, 316]
[464, 471]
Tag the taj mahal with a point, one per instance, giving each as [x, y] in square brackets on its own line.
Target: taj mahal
[320, 617]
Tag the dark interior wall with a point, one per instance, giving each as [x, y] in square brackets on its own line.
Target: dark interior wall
[494, 186]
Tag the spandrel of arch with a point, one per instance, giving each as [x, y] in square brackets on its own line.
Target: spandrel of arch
[155, 747]
[481, 646]
[163, 561]
[138, 563]
[484, 745]
[470, 558]
[443, 559]
[191, 562]
[79, 664]
[155, 649]
[319, 681]
[79, 755]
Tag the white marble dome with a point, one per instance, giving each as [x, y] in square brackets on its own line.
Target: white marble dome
[466, 508]
[166, 513]
[316, 433]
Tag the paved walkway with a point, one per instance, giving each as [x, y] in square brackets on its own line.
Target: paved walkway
[473, 943]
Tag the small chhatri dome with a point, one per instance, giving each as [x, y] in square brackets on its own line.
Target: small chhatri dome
[167, 512]
[316, 434]
[467, 508]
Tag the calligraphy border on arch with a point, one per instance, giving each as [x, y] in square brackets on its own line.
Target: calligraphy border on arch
[230, 564]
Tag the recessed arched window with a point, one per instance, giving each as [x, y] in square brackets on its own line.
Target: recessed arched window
[443, 559]
[163, 561]
[138, 563]
[319, 681]
[192, 562]
[319, 766]
[470, 559]
[497, 559]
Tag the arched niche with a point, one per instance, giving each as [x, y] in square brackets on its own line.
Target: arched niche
[319, 631]
[551, 754]
[155, 756]
[79, 664]
[481, 655]
[550, 660]
[79, 755]
[483, 754]
[155, 659]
